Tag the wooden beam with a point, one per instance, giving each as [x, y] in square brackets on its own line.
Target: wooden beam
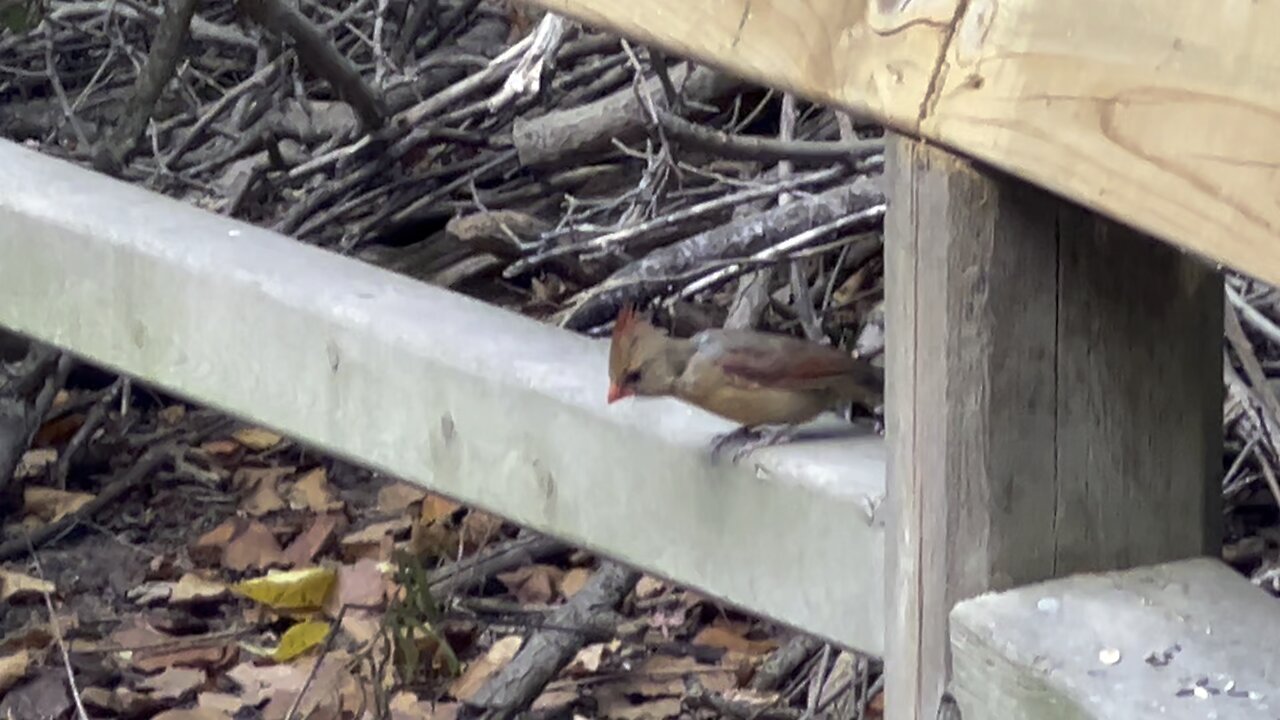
[1054, 400]
[1180, 641]
[1165, 118]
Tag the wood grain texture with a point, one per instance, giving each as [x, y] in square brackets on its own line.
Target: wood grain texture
[1053, 400]
[1163, 118]
[1034, 652]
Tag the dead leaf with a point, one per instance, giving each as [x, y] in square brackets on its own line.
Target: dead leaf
[221, 447]
[398, 496]
[313, 491]
[588, 660]
[58, 431]
[728, 639]
[256, 438]
[875, 708]
[192, 589]
[535, 584]
[51, 504]
[407, 706]
[172, 414]
[295, 641]
[259, 489]
[554, 698]
[16, 587]
[209, 548]
[478, 529]
[317, 538]
[465, 686]
[149, 594]
[219, 702]
[149, 650]
[199, 713]
[649, 586]
[437, 507]
[291, 589]
[361, 625]
[44, 697]
[34, 463]
[259, 683]
[362, 584]
[368, 543]
[323, 700]
[121, 701]
[13, 668]
[175, 684]
[254, 548]
[574, 580]
[618, 706]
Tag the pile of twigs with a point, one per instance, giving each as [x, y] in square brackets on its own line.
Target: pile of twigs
[531, 162]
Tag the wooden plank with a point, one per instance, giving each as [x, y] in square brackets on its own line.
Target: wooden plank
[1180, 641]
[1053, 404]
[1164, 118]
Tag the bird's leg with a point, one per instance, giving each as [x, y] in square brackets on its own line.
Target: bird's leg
[771, 436]
[719, 442]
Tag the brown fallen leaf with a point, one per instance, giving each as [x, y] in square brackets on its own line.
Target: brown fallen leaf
[312, 491]
[536, 584]
[554, 698]
[259, 489]
[716, 636]
[260, 683]
[199, 713]
[221, 447]
[16, 587]
[255, 548]
[175, 684]
[57, 432]
[120, 701]
[574, 580]
[209, 548]
[34, 463]
[361, 625]
[466, 685]
[368, 542]
[649, 586]
[147, 649]
[361, 584]
[51, 504]
[317, 538]
[256, 438]
[437, 507]
[193, 589]
[618, 706]
[13, 668]
[479, 528]
[407, 706]
[398, 496]
[172, 414]
[588, 659]
[323, 699]
[220, 702]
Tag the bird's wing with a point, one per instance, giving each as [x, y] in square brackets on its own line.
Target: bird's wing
[761, 360]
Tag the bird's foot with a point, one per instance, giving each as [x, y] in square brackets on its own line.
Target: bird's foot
[765, 438]
[720, 442]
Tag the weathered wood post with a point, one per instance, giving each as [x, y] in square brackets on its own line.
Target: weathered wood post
[1054, 400]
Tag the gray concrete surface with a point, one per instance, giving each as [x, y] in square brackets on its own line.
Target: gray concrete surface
[482, 405]
[1184, 640]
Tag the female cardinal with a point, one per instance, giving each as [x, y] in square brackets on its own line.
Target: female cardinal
[752, 378]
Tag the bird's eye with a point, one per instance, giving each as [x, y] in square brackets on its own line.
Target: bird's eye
[631, 377]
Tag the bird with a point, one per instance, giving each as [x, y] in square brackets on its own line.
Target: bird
[768, 383]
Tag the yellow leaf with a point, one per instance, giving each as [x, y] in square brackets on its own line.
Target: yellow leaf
[290, 589]
[256, 438]
[295, 641]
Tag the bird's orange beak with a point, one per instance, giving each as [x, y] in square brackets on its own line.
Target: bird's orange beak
[616, 393]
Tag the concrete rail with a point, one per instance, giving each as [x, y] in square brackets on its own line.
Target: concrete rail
[476, 403]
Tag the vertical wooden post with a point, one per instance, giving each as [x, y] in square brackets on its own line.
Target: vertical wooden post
[1054, 400]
